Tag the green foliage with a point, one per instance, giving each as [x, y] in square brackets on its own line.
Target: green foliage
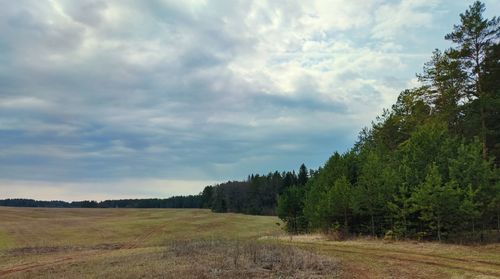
[437, 202]
[257, 195]
[445, 85]
[375, 185]
[290, 206]
[401, 208]
[317, 207]
[421, 169]
[219, 202]
[468, 168]
[340, 201]
[474, 38]
[303, 175]
[493, 207]
[470, 206]
[429, 143]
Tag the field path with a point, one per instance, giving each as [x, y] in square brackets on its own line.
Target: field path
[31, 266]
[474, 266]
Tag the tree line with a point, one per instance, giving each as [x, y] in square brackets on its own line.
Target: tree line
[257, 195]
[427, 167]
[191, 201]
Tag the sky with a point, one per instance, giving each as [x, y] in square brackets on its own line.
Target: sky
[129, 99]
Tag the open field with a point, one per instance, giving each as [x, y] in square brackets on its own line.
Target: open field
[171, 243]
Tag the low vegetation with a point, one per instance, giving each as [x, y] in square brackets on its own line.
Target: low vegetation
[249, 259]
[194, 243]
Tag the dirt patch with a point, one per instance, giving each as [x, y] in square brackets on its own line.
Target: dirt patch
[107, 246]
[25, 267]
[41, 250]
[61, 249]
[299, 237]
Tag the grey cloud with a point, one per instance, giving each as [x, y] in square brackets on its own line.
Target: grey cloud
[110, 90]
[24, 30]
[86, 12]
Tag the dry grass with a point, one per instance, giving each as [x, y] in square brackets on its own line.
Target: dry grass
[249, 259]
[190, 259]
[370, 258]
[167, 243]
[44, 227]
[35, 239]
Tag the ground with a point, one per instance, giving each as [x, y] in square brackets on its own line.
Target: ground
[192, 243]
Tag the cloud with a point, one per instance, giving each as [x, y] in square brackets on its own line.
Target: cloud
[91, 13]
[28, 103]
[394, 18]
[165, 90]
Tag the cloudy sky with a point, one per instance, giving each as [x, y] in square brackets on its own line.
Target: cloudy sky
[124, 98]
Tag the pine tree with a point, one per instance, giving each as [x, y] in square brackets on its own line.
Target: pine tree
[437, 203]
[444, 87]
[473, 37]
[290, 205]
[491, 87]
[401, 207]
[340, 200]
[469, 206]
[372, 192]
[303, 175]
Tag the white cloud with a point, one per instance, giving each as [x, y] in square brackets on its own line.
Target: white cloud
[27, 102]
[392, 19]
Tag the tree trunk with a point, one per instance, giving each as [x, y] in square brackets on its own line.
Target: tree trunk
[439, 230]
[483, 131]
[482, 233]
[498, 221]
[405, 227]
[373, 226]
[480, 96]
[345, 221]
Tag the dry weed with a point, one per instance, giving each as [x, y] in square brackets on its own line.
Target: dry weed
[249, 259]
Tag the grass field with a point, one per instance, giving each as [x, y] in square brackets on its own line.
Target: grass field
[171, 243]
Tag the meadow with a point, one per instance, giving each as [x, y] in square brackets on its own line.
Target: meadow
[196, 243]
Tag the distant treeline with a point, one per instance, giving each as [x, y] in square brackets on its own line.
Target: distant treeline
[257, 195]
[191, 201]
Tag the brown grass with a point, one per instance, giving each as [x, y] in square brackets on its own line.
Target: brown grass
[167, 243]
[41, 240]
[371, 258]
[249, 259]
